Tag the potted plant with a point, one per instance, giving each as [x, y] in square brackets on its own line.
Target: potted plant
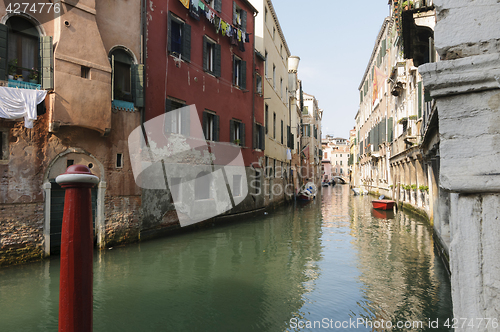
[12, 68]
[413, 187]
[33, 76]
[237, 141]
[423, 188]
[407, 5]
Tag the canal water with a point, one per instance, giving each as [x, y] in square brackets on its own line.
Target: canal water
[334, 263]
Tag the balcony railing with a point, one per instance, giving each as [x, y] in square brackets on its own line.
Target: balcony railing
[426, 117]
[23, 85]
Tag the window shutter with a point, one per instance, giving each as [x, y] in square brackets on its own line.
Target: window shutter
[205, 53]
[390, 129]
[262, 139]
[186, 42]
[185, 122]
[292, 144]
[384, 47]
[112, 77]
[281, 131]
[243, 76]
[204, 124]
[242, 134]
[255, 135]
[419, 99]
[244, 20]
[47, 62]
[231, 131]
[4, 32]
[234, 13]
[169, 31]
[218, 5]
[216, 128]
[217, 64]
[138, 73]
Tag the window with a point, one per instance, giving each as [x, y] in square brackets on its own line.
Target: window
[281, 131]
[176, 122]
[274, 125]
[69, 162]
[210, 126]
[85, 72]
[119, 160]
[325, 155]
[215, 4]
[202, 185]
[259, 138]
[274, 76]
[266, 73]
[274, 33]
[127, 77]
[258, 84]
[305, 110]
[239, 17]
[281, 51]
[266, 116]
[239, 72]
[179, 38]
[237, 132]
[236, 185]
[211, 56]
[341, 163]
[281, 88]
[23, 47]
[265, 14]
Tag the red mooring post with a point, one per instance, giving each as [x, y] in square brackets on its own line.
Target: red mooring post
[76, 277]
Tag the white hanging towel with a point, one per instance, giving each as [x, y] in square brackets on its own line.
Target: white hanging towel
[20, 103]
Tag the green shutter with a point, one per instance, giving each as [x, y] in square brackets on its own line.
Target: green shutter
[255, 135]
[218, 5]
[244, 20]
[390, 130]
[138, 74]
[419, 99]
[234, 13]
[231, 131]
[384, 48]
[242, 134]
[186, 42]
[169, 31]
[243, 76]
[205, 53]
[217, 64]
[262, 139]
[4, 32]
[47, 62]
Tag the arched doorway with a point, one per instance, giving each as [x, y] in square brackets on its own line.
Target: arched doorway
[54, 198]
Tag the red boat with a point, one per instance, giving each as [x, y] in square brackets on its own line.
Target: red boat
[383, 204]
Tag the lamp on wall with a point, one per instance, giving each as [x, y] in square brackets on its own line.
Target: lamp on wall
[293, 64]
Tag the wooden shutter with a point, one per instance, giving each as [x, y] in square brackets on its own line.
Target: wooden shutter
[255, 135]
[217, 61]
[243, 76]
[234, 13]
[186, 42]
[216, 128]
[47, 62]
[242, 134]
[4, 32]
[419, 99]
[204, 124]
[185, 121]
[231, 131]
[205, 53]
[169, 32]
[244, 20]
[262, 139]
[281, 131]
[390, 130]
[218, 5]
[138, 74]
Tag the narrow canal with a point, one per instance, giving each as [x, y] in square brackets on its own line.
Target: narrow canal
[309, 267]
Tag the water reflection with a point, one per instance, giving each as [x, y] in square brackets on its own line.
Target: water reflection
[331, 258]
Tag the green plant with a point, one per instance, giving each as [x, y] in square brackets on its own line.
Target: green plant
[391, 186]
[408, 4]
[33, 74]
[413, 187]
[404, 119]
[412, 117]
[406, 186]
[237, 141]
[12, 66]
[423, 188]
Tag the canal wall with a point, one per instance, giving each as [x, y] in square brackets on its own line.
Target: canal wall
[466, 87]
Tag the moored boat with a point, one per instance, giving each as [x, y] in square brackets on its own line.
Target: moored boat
[308, 192]
[383, 204]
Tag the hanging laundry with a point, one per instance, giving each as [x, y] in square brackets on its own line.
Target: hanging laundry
[234, 37]
[20, 103]
[193, 10]
[185, 3]
[239, 35]
[217, 24]
[201, 6]
[241, 46]
[229, 31]
[223, 27]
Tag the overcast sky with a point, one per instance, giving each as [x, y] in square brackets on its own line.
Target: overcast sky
[334, 40]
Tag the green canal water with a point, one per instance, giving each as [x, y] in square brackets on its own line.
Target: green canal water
[325, 265]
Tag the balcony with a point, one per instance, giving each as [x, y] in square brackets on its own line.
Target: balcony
[23, 85]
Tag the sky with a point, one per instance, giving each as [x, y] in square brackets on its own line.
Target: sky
[334, 40]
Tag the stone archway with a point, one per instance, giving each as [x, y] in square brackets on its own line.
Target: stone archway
[73, 156]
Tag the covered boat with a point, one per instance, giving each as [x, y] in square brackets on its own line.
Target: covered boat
[383, 204]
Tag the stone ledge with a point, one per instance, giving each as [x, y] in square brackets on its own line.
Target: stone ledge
[472, 74]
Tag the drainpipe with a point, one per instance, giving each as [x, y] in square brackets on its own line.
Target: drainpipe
[143, 53]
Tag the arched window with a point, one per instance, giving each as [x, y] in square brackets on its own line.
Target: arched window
[23, 49]
[202, 186]
[127, 78]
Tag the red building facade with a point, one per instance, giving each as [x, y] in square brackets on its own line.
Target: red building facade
[205, 56]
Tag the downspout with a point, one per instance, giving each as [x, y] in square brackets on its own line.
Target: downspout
[143, 54]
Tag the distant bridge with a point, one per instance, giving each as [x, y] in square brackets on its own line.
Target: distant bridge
[340, 179]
